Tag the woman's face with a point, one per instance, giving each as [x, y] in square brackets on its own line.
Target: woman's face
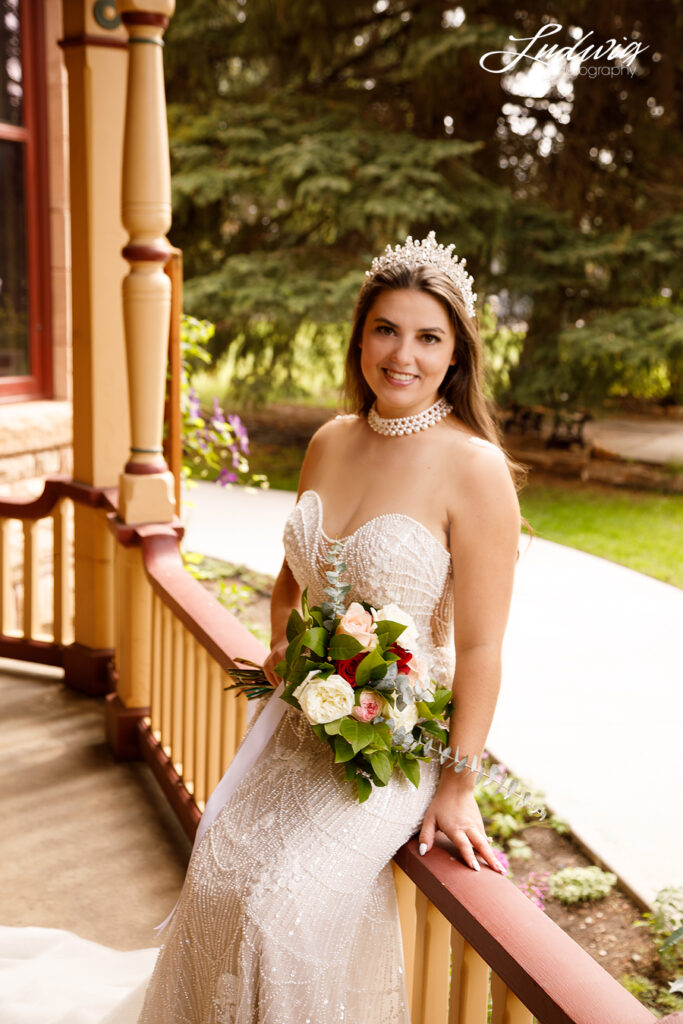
[407, 345]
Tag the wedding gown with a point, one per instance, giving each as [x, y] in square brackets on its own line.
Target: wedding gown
[289, 912]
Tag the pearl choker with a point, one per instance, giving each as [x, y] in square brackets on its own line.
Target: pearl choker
[409, 424]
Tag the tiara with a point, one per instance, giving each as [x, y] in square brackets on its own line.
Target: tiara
[427, 252]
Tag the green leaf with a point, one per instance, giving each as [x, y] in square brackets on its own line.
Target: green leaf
[305, 610]
[381, 765]
[440, 703]
[389, 631]
[343, 751]
[343, 647]
[435, 730]
[363, 788]
[315, 639]
[317, 616]
[319, 731]
[295, 625]
[373, 666]
[294, 649]
[410, 769]
[332, 728]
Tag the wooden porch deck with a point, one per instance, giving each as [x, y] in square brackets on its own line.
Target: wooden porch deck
[89, 844]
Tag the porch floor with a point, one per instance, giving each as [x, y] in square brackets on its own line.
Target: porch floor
[88, 844]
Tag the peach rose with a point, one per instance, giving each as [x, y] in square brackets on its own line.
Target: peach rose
[359, 624]
[418, 672]
[371, 705]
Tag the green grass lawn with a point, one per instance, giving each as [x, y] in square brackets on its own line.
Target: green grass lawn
[638, 529]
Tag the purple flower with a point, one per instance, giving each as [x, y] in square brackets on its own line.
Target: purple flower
[218, 414]
[226, 477]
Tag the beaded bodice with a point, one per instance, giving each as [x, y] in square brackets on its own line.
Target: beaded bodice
[392, 558]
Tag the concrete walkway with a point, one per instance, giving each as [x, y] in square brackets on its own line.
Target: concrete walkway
[637, 437]
[591, 704]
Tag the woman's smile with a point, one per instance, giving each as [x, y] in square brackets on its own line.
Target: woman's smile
[398, 378]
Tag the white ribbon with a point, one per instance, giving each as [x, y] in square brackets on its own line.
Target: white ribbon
[248, 753]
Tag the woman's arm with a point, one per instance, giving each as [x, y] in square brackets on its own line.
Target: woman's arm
[286, 595]
[484, 535]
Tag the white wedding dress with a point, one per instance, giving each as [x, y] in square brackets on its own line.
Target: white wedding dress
[289, 913]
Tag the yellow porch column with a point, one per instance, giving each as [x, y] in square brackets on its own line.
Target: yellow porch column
[94, 48]
[146, 487]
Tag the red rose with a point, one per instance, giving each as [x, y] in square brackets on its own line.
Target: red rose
[347, 667]
[404, 659]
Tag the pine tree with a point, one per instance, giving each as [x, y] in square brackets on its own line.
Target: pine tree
[307, 135]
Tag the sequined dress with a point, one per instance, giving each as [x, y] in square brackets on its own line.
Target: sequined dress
[289, 913]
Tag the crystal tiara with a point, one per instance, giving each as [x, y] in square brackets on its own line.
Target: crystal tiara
[427, 252]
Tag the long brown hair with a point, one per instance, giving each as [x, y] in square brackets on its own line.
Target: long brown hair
[463, 384]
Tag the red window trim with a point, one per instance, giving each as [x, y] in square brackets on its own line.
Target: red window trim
[33, 135]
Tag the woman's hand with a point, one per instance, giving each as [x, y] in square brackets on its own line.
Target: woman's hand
[456, 813]
[277, 653]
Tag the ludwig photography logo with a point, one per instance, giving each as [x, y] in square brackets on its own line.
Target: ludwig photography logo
[500, 62]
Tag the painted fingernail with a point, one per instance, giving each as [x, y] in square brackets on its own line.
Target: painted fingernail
[423, 849]
[475, 865]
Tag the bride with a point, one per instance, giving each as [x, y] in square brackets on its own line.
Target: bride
[288, 914]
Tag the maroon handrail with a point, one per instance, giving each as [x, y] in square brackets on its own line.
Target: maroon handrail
[56, 487]
[550, 973]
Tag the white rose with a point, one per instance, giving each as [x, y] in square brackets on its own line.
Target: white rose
[409, 637]
[405, 719]
[324, 700]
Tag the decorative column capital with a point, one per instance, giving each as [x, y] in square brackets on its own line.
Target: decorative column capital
[136, 12]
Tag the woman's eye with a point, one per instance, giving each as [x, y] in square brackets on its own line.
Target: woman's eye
[384, 328]
[430, 337]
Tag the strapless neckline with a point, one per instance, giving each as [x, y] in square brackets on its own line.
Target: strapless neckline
[364, 526]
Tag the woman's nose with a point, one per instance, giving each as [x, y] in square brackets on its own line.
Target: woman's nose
[403, 351]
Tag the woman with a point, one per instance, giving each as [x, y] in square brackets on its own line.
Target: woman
[289, 912]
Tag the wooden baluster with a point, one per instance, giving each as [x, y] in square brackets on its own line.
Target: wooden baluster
[189, 663]
[157, 667]
[469, 997]
[6, 609]
[228, 724]
[239, 703]
[432, 956]
[200, 719]
[166, 678]
[507, 1008]
[177, 755]
[405, 895]
[213, 726]
[31, 614]
[62, 612]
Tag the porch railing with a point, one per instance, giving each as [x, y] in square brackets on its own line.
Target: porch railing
[474, 945]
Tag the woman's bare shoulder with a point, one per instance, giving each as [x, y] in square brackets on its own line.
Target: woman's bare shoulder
[335, 429]
[476, 472]
[327, 444]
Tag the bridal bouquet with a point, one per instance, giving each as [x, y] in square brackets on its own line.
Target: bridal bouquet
[356, 675]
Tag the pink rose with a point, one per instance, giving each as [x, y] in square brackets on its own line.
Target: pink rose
[370, 706]
[359, 624]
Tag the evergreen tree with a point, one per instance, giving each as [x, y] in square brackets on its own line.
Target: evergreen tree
[307, 135]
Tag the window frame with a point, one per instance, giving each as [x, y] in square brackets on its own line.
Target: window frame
[32, 134]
